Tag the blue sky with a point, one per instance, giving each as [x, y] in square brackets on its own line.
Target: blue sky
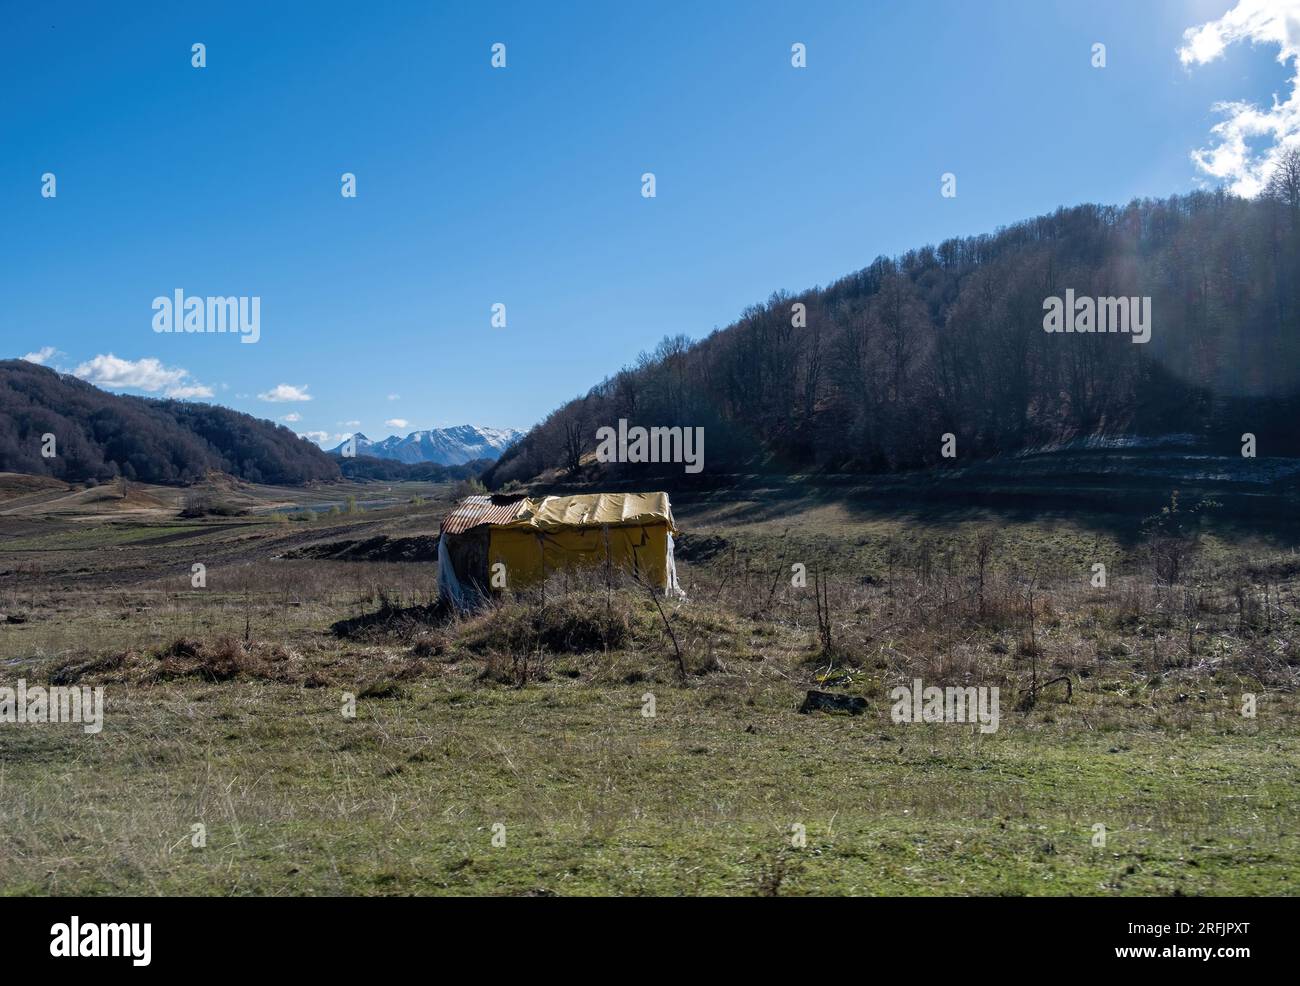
[522, 185]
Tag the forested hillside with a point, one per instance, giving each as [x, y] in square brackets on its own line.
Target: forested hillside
[98, 435]
[951, 339]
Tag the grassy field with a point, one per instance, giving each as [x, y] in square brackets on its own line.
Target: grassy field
[511, 752]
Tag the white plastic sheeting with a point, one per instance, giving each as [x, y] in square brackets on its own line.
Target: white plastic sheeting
[449, 586]
[672, 588]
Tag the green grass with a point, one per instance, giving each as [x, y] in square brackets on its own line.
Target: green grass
[595, 798]
[101, 536]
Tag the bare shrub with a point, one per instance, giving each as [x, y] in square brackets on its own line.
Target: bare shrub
[577, 623]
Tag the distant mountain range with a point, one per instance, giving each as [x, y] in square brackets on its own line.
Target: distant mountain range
[444, 446]
[52, 424]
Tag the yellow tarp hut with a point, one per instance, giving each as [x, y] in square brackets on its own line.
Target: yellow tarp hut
[496, 543]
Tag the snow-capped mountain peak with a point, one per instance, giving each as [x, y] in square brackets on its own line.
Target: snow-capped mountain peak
[445, 446]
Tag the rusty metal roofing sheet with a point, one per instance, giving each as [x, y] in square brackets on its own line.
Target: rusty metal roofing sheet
[474, 511]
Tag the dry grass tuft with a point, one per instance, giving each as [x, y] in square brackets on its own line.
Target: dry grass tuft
[579, 623]
[224, 659]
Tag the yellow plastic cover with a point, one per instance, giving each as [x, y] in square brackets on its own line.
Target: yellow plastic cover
[593, 510]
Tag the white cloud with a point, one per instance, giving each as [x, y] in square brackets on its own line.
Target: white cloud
[42, 355]
[292, 416]
[319, 437]
[282, 393]
[350, 424]
[1230, 156]
[189, 391]
[397, 422]
[147, 374]
[394, 397]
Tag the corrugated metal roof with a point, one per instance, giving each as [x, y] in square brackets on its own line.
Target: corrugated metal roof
[476, 510]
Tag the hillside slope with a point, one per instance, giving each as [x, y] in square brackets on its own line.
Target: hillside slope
[98, 435]
[868, 374]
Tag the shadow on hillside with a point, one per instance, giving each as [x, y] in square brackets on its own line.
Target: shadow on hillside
[1114, 504]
